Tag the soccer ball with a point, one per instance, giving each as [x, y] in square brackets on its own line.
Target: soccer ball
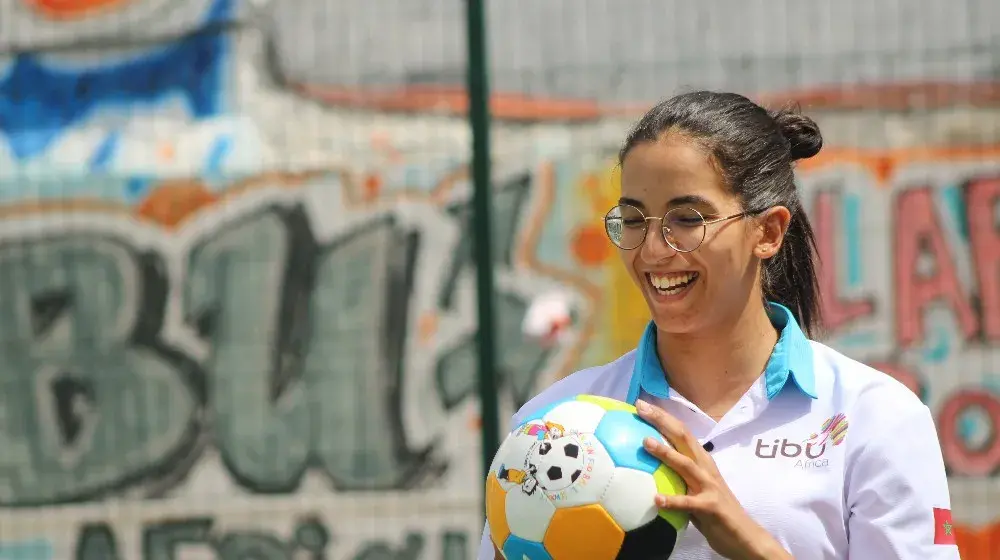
[573, 481]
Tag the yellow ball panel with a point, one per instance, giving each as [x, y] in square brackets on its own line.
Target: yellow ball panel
[669, 483]
[606, 403]
[583, 532]
[496, 510]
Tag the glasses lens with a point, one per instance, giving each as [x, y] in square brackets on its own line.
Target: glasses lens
[684, 229]
[626, 226]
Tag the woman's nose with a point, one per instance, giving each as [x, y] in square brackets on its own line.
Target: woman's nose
[655, 247]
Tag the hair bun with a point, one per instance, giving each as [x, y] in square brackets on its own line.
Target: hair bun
[802, 133]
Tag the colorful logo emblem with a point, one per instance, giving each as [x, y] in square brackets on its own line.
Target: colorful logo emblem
[834, 430]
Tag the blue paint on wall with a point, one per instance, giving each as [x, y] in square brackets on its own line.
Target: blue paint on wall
[38, 102]
[851, 210]
[105, 152]
[951, 199]
[36, 549]
[217, 157]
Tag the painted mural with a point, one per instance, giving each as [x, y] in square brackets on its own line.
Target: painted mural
[211, 353]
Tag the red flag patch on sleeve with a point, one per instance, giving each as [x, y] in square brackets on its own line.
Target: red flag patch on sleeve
[944, 528]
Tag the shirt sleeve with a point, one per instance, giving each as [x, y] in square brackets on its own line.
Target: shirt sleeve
[897, 490]
[486, 550]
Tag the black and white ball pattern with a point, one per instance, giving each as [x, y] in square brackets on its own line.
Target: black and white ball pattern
[557, 463]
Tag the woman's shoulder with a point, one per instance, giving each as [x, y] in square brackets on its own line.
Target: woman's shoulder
[606, 380]
[867, 386]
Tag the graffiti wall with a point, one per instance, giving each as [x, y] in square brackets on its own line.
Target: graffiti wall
[270, 340]
[207, 356]
[214, 351]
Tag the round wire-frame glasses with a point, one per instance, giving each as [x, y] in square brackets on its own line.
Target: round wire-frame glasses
[683, 228]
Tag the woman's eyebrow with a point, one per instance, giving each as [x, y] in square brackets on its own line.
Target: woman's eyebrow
[685, 200]
[690, 199]
[631, 202]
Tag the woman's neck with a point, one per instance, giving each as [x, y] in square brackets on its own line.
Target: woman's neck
[714, 370]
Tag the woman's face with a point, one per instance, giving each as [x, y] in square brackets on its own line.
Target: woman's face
[688, 292]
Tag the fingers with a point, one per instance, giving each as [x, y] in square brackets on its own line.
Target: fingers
[686, 503]
[671, 428]
[686, 457]
[683, 465]
[700, 497]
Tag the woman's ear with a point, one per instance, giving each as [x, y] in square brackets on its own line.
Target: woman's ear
[772, 227]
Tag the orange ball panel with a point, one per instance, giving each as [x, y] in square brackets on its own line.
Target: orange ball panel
[583, 532]
[496, 510]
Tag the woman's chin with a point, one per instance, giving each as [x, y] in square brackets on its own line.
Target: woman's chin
[673, 315]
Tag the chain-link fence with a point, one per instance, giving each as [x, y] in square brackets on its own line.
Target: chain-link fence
[237, 299]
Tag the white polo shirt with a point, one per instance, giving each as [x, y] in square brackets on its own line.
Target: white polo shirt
[832, 457]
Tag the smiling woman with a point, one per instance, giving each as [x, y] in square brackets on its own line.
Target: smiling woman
[788, 448]
[678, 178]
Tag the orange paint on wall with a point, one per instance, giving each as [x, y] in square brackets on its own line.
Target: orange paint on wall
[979, 544]
[372, 187]
[883, 164]
[171, 202]
[590, 246]
[73, 9]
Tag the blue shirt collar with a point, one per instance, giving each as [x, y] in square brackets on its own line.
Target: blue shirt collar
[792, 358]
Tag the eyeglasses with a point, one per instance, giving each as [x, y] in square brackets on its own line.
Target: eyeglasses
[683, 228]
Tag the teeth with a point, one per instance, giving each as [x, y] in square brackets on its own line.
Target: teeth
[670, 283]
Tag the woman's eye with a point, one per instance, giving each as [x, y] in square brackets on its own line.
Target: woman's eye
[634, 222]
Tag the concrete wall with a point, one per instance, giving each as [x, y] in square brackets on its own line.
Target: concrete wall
[236, 321]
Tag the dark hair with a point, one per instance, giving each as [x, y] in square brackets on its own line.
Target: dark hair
[754, 149]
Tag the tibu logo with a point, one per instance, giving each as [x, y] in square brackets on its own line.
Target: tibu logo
[832, 432]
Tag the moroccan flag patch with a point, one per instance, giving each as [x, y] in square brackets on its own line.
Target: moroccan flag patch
[944, 528]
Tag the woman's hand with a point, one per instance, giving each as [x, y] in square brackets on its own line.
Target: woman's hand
[714, 510]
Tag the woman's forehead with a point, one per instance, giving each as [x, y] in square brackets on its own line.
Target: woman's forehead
[671, 173]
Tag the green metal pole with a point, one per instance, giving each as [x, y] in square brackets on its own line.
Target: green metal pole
[479, 120]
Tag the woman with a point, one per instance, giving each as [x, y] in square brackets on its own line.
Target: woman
[789, 449]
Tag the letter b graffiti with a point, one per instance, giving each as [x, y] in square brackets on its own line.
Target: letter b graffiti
[84, 406]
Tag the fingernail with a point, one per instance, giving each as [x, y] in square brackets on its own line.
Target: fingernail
[641, 406]
[649, 443]
[660, 500]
